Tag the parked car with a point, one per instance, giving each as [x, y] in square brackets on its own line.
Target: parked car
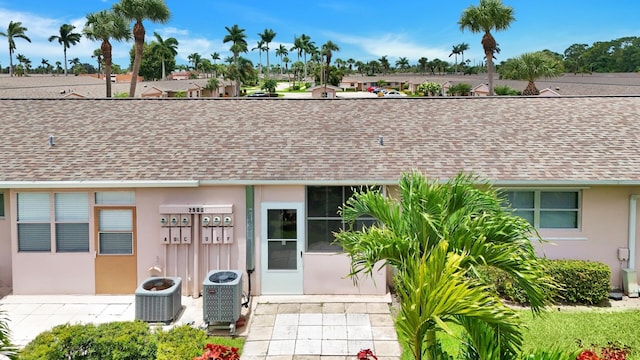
[378, 90]
[258, 94]
[393, 93]
[371, 88]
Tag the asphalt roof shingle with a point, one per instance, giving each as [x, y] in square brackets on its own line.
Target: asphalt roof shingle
[575, 139]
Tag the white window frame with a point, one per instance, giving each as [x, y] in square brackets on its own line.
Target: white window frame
[537, 209]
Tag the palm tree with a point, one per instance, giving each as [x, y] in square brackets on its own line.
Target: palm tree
[462, 47]
[435, 234]
[384, 63]
[327, 51]
[6, 348]
[97, 54]
[308, 47]
[45, 64]
[66, 38]
[195, 59]
[15, 30]
[282, 52]
[239, 45]
[267, 37]
[168, 49]
[402, 63]
[455, 51]
[23, 60]
[488, 15]
[531, 66]
[297, 46]
[58, 67]
[260, 47]
[422, 64]
[103, 26]
[215, 57]
[139, 10]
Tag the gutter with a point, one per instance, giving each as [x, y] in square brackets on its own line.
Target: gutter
[98, 184]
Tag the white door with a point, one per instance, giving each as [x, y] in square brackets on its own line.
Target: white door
[282, 243]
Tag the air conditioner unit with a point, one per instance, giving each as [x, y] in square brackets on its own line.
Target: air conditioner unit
[158, 299]
[222, 297]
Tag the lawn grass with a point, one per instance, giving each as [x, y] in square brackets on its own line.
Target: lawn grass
[562, 329]
[236, 342]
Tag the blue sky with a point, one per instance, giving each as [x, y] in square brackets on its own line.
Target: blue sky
[364, 30]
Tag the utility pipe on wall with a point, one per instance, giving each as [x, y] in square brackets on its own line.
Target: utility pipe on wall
[633, 205]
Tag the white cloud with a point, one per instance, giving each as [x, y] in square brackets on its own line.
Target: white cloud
[391, 45]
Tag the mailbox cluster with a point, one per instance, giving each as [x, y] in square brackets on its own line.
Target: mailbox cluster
[217, 229]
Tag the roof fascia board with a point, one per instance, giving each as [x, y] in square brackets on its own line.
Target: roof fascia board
[97, 184]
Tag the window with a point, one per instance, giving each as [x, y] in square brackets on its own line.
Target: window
[115, 198]
[547, 209]
[1, 204]
[115, 232]
[71, 222]
[323, 220]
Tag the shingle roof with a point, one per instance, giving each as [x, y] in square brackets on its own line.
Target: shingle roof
[576, 139]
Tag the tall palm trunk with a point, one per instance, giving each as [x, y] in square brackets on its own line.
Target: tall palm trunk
[138, 35]
[106, 53]
[489, 45]
[164, 71]
[10, 61]
[65, 61]
[235, 60]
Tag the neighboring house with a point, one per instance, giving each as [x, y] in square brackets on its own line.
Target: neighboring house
[179, 75]
[480, 90]
[97, 195]
[165, 89]
[323, 92]
[549, 92]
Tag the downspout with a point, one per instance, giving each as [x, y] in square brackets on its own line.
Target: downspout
[250, 245]
[633, 204]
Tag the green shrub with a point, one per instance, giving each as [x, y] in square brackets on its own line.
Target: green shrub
[182, 342]
[579, 282]
[117, 340]
[62, 342]
[125, 341]
[582, 282]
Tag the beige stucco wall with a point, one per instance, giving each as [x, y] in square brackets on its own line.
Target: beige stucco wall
[604, 229]
[326, 274]
[74, 273]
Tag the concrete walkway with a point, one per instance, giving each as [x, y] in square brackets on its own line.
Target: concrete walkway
[318, 330]
[278, 327]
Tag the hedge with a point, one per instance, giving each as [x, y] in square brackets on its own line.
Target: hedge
[579, 282]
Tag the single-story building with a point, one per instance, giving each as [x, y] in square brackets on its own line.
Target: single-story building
[169, 88]
[98, 194]
[323, 91]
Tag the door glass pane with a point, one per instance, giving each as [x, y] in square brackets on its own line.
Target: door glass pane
[282, 255]
[116, 220]
[116, 243]
[282, 224]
